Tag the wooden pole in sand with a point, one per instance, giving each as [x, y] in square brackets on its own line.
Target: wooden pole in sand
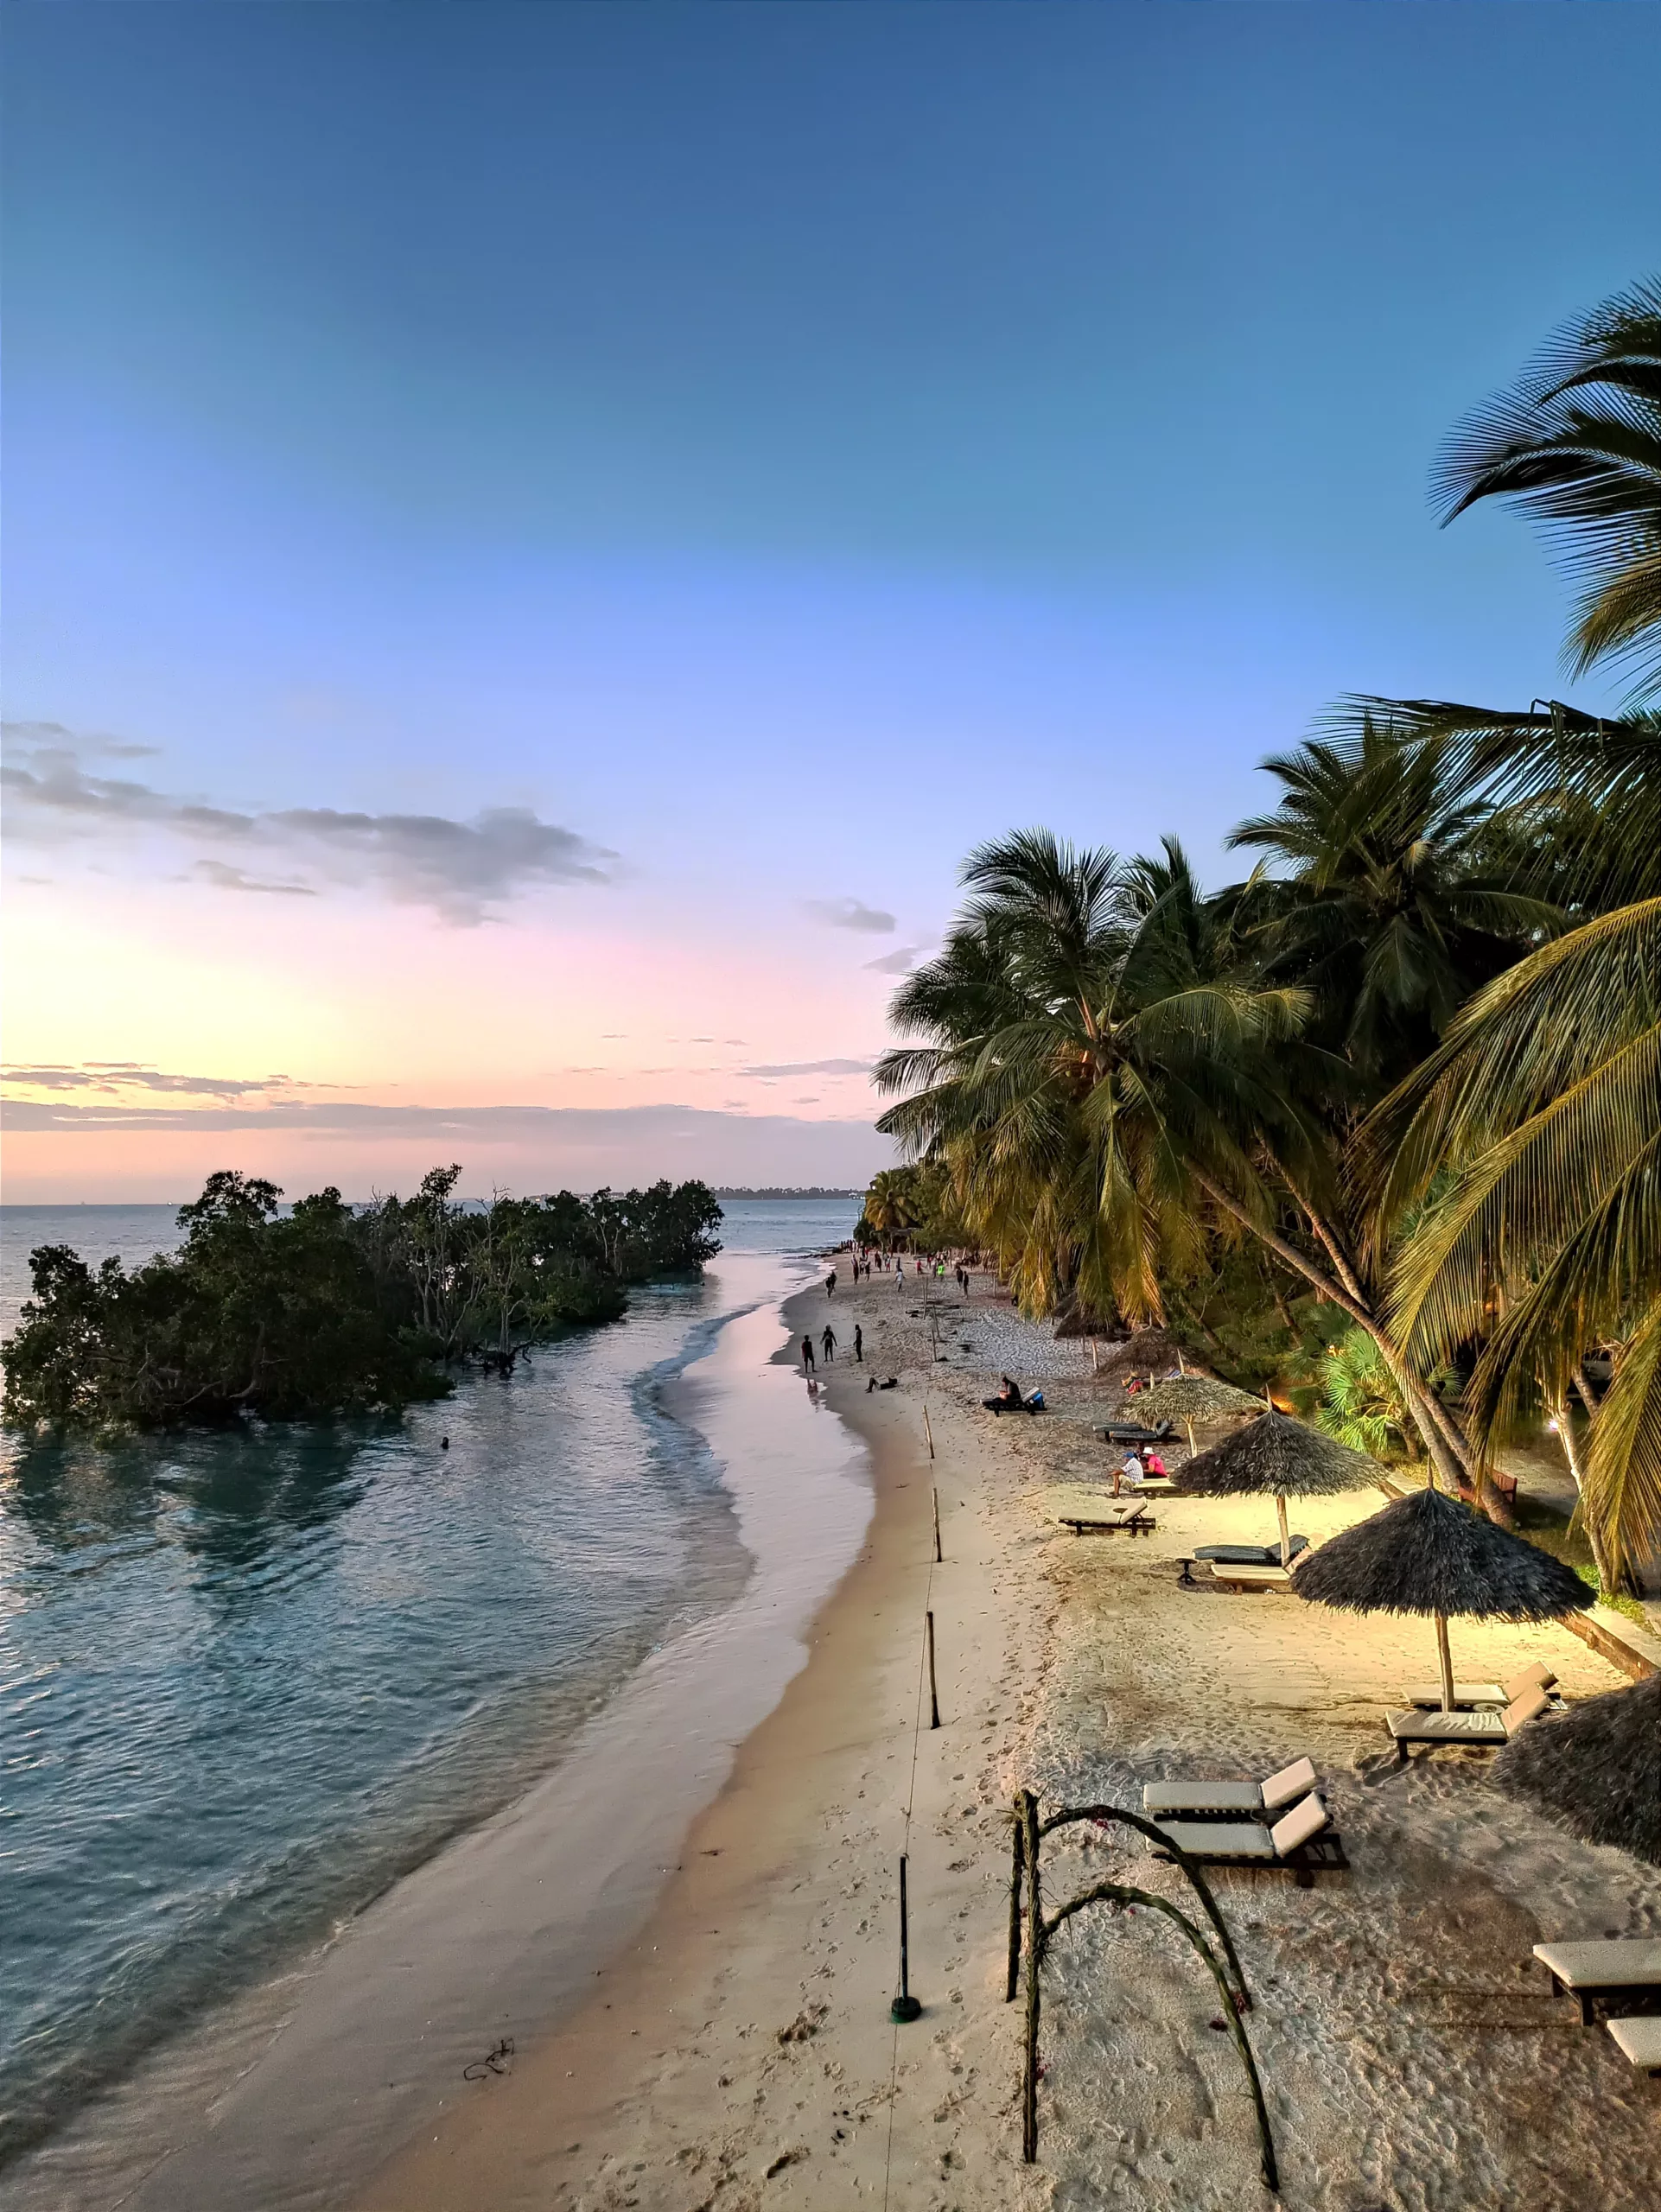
[1446, 1658]
[934, 1694]
[1286, 1532]
[1017, 1867]
[938, 1555]
[928, 1433]
[1034, 1955]
[905, 2006]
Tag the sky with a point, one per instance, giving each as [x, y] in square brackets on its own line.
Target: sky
[535, 538]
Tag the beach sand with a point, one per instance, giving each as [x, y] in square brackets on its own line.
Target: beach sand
[739, 2053]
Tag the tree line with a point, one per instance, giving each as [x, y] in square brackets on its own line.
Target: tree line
[330, 1308]
[1412, 1064]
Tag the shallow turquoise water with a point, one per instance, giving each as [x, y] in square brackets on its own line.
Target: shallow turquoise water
[246, 1681]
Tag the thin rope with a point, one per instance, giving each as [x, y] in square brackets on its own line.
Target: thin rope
[911, 1795]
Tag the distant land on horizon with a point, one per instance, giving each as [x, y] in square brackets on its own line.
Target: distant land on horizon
[786, 1191]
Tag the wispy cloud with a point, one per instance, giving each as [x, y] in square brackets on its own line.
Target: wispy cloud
[850, 914]
[459, 869]
[110, 1078]
[808, 1067]
[900, 962]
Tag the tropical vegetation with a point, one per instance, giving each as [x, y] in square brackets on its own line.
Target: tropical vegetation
[1412, 1065]
[329, 1308]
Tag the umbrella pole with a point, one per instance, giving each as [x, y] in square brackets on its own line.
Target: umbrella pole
[1446, 1659]
[1286, 1533]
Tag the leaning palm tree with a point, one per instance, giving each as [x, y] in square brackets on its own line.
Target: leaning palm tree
[1530, 1143]
[1576, 442]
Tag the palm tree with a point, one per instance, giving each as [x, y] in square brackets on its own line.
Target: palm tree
[1576, 442]
[1545, 1240]
[1530, 1140]
[886, 1210]
[1390, 910]
[1103, 1073]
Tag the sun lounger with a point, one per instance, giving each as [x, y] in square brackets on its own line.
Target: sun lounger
[1589, 1970]
[1268, 1796]
[1252, 1555]
[1639, 2039]
[1486, 1727]
[1290, 1843]
[1139, 1523]
[1536, 1676]
[1251, 1577]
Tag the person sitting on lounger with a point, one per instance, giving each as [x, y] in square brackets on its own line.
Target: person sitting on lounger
[1130, 1470]
[1008, 1401]
[1154, 1464]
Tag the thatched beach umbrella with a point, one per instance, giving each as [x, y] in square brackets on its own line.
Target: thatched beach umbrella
[1277, 1457]
[1599, 1767]
[1428, 1554]
[1191, 1397]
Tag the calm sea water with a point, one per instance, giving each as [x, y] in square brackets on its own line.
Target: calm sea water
[247, 1680]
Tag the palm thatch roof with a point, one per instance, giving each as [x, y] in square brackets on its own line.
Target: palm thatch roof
[1277, 1457]
[1190, 1397]
[1428, 1554]
[1145, 1351]
[1598, 1767]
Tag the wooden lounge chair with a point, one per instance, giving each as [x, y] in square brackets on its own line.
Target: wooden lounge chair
[1589, 1970]
[1203, 1797]
[1252, 1555]
[1139, 1523]
[1295, 1841]
[1640, 2039]
[1481, 1727]
[1251, 1577]
[1528, 1678]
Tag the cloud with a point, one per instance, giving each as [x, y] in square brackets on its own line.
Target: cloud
[111, 1077]
[459, 869]
[900, 962]
[226, 878]
[810, 1067]
[850, 914]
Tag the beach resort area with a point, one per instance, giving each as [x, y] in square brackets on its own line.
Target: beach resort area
[1412, 2048]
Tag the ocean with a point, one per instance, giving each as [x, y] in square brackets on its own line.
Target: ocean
[248, 1681]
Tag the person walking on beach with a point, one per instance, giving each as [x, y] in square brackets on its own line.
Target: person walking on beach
[807, 1355]
[859, 1345]
[830, 1284]
[828, 1340]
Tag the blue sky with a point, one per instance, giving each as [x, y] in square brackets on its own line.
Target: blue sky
[776, 445]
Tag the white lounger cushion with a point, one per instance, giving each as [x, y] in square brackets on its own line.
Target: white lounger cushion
[1535, 1676]
[1640, 2038]
[1633, 1962]
[1201, 1797]
[1220, 1839]
[1248, 1839]
[1255, 1577]
[1231, 1796]
[1290, 1783]
[1415, 1727]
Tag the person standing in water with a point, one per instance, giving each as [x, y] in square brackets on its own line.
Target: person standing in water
[859, 1344]
[828, 1340]
[807, 1355]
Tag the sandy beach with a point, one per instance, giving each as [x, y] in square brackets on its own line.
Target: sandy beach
[739, 2053]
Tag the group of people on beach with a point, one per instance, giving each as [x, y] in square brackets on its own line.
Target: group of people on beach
[828, 1342]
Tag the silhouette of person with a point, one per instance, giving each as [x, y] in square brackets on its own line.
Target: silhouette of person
[807, 1355]
[827, 1339]
[859, 1344]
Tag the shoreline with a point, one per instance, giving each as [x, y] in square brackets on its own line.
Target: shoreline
[293, 2092]
[784, 1904]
